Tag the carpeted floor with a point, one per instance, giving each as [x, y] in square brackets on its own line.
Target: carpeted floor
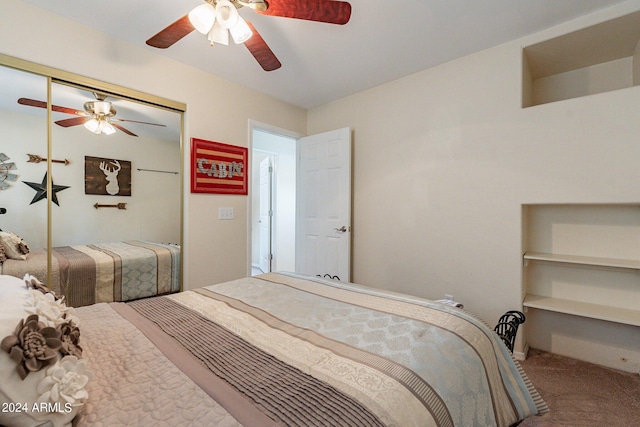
[581, 394]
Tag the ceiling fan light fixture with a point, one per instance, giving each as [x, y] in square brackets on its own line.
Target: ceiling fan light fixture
[218, 34]
[99, 126]
[92, 125]
[226, 14]
[106, 128]
[102, 107]
[202, 17]
[241, 31]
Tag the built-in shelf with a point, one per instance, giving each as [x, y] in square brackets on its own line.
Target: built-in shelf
[577, 308]
[581, 280]
[596, 59]
[583, 260]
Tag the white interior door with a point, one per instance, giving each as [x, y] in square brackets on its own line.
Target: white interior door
[266, 213]
[323, 235]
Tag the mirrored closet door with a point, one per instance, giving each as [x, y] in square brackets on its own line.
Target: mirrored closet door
[115, 171]
[91, 173]
[23, 133]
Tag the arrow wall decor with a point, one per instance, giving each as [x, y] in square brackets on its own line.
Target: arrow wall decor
[34, 158]
[122, 206]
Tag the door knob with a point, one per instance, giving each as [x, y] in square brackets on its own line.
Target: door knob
[342, 229]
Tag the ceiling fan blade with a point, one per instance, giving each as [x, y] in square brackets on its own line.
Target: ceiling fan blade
[172, 33]
[329, 11]
[74, 121]
[135, 121]
[127, 131]
[41, 104]
[261, 51]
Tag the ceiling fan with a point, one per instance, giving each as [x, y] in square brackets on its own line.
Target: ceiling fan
[98, 116]
[218, 18]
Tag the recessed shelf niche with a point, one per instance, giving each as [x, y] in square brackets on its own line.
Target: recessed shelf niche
[596, 59]
[583, 260]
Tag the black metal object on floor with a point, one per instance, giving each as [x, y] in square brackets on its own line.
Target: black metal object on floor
[507, 327]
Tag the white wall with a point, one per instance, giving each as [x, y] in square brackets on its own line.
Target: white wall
[445, 158]
[152, 210]
[605, 77]
[285, 199]
[21, 134]
[282, 150]
[214, 250]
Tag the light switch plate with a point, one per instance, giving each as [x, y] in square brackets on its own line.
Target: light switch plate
[225, 213]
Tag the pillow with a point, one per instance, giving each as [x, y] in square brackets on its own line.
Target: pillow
[3, 257]
[14, 247]
[32, 401]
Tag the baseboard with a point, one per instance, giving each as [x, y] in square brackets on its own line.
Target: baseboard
[522, 355]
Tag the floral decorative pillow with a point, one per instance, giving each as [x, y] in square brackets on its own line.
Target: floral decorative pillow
[14, 247]
[42, 373]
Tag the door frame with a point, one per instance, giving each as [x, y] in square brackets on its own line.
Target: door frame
[253, 126]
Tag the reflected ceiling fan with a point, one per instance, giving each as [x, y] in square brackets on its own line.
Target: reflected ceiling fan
[98, 116]
[218, 18]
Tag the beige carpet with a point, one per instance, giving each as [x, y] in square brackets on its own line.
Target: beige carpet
[581, 394]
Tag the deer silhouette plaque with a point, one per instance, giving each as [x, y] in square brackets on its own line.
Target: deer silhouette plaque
[109, 177]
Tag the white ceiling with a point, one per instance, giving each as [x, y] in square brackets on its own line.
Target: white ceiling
[384, 40]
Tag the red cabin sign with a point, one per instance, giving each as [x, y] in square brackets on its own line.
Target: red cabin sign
[218, 168]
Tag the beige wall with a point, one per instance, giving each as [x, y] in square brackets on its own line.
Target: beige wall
[214, 250]
[444, 159]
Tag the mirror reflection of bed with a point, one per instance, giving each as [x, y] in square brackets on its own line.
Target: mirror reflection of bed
[114, 225]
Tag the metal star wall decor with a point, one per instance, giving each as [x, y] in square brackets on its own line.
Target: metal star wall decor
[41, 190]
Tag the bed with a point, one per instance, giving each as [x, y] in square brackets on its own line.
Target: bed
[274, 349]
[104, 272]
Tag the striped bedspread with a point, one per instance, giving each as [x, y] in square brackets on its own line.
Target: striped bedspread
[299, 351]
[105, 272]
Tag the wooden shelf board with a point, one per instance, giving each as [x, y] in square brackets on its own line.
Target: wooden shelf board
[594, 311]
[584, 260]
